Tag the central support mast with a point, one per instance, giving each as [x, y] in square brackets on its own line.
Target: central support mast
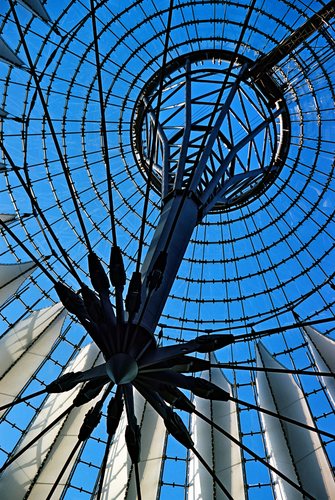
[220, 140]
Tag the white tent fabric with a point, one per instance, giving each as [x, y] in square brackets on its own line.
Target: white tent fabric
[18, 477]
[220, 453]
[24, 347]
[11, 278]
[62, 447]
[295, 451]
[7, 55]
[119, 481]
[323, 350]
[36, 7]
[7, 217]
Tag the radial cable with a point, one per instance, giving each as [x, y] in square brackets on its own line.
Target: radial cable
[212, 473]
[154, 136]
[252, 453]
[103, 124]
[63, 469]
[36, 438]
[51, 127]
[28, 252]
[40, 212]
[282, 417]
[233, 366]
[103, 466]
[22, 400]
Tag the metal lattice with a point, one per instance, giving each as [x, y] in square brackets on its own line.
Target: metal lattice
[96, 119]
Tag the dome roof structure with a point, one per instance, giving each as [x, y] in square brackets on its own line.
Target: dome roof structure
[167, 289]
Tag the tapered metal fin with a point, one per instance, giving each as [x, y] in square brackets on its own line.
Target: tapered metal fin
[98, 275]
[92, 304]
[91, 420]
[176, 398]
[70, 300]
[133, 441]
[133, 298]
[117, 272]
[114, 412]
[64, 383]
[177, 428]
[203, 344]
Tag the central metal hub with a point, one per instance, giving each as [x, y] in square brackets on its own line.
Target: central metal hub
[122, 368]
[212, 113]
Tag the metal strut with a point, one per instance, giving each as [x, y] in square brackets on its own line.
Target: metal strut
[266, 63]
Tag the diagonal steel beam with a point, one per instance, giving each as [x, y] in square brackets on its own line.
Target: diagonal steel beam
[266, 62]
[200, 167]
[207, 195]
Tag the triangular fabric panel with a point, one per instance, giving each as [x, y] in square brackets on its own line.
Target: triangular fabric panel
[17, 478]
[323, 350]
[219, 452]
[3, 113]
[36, 7]
[7, 217]
[62, 447]
[24, 347]
[119, 481]
[11, 278]
[7, 55]
[296, 452]
[153, 433]
[118, 465]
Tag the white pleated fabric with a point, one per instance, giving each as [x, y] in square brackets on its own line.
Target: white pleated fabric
[11, 278]
[323, 350]
[61, 449]
[119, 481]
[29, 467]
[219, 452]
[295, 451]
[7, 55]
[7, 217]
[24, 347]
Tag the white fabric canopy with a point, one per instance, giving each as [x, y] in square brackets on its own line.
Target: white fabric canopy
[119, 481]
[295, 451]
[7, 217]
[7, 55]
[323, 350]
[62, 447]
[24, 347]
[11, 278]
[218, 451]
[17, 478]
